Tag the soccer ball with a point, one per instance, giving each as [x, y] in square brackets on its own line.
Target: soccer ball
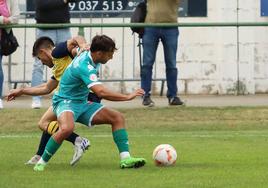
[164, 155]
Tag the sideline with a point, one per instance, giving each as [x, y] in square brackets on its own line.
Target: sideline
[209, 134]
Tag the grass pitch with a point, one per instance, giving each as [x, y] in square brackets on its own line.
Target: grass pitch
[217, 147]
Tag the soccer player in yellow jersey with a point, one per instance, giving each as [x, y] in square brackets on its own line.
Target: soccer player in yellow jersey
[57, 58]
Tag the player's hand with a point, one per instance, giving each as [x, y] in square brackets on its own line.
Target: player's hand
[85, 47]
[138, 92]
[13, 94]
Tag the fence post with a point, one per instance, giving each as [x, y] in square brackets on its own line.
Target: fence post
[81, 31]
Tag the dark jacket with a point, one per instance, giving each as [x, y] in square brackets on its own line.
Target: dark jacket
[52, 11]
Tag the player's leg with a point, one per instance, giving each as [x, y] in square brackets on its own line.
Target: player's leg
[97, 114]
[80, 149]
[48, 117]
[66, 127]
[52, 127]
[120, 136]
[49, 123]
[80, 144]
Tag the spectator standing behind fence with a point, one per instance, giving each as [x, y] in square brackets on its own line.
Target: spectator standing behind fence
[49, 12]
[159, 11]
[9, 14]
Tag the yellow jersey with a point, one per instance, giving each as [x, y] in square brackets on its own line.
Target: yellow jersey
[60, 64]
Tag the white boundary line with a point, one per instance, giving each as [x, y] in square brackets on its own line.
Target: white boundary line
[180, 134]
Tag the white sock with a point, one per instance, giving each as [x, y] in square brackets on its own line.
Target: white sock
[78, 140]
[41, 161]
[124, 155]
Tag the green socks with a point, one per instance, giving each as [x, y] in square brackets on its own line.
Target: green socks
[121, 140]
[51, 148]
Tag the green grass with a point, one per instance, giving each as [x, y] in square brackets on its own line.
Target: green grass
[217, 147]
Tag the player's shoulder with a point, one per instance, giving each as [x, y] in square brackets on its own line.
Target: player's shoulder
[61, 50]
[85, 58]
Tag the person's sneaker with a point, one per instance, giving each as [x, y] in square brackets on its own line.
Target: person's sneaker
[33, 160]
[175, 101]
[147, 101]
[132, 162]
[39, 167]
[36, 104]
[1, 104]
[80, 146]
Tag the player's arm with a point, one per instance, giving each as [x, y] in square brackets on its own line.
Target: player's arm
[75, 42]
[70, 47]
[42, 89]
[107, 94]
[89, 76]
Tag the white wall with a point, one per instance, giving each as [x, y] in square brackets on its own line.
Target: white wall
[208, 58]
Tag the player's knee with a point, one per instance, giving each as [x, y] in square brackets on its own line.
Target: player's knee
[42, 125]
[66, 131]
[118, 119]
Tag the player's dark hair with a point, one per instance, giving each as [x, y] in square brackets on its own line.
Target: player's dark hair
[102, 43]
[40, 43]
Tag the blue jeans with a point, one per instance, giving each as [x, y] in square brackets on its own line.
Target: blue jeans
[57, 35]
[150, 40]
[1, 78]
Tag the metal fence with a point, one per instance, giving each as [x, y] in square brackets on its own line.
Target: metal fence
[101, 25]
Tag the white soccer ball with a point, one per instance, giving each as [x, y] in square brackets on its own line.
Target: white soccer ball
[164, 155]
